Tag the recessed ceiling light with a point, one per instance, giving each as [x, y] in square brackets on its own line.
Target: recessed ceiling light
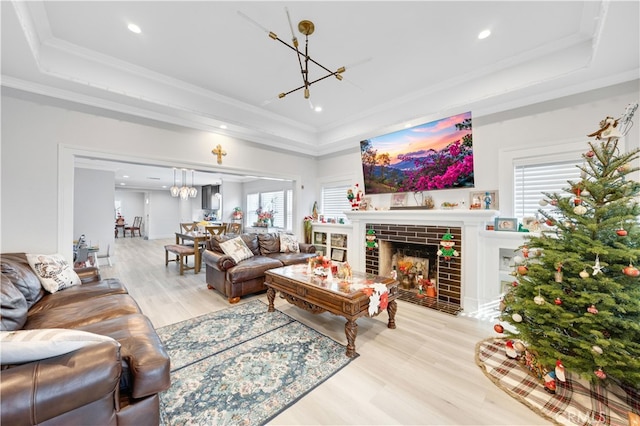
[134, 28]
[122, 184]
[125, 176]
[223, 126]
[318, 109]
[484, 34]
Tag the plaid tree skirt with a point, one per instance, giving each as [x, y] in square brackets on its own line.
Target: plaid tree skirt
[576, 401]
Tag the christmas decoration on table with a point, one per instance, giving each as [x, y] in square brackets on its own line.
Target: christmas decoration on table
[378, 296]
[592, 328]
[447, 251]
[354, 195]
[370, 238]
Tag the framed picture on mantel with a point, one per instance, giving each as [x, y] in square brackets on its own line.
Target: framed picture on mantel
[479, 200]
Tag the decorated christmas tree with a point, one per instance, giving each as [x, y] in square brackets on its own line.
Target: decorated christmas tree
[575, 302]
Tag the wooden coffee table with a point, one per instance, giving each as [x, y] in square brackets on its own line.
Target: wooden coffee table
[318, 294]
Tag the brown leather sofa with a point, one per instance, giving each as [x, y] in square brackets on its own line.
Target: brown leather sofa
[235, 280]
[108, 383]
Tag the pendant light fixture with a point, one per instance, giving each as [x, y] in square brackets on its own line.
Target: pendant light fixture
[184, 190]
[193, 192]
[175, 191]
[306, 28]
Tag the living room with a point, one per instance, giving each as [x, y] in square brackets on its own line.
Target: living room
[57, 117]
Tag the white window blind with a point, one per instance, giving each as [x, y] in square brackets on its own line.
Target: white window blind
[289, 216]
[532, 180]
[274, 201]
[335, 201]
[253, 203]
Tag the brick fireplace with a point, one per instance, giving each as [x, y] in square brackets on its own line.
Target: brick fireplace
[425, 239]
[458, 280]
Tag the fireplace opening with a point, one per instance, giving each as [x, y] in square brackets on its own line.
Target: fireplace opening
[410, 253]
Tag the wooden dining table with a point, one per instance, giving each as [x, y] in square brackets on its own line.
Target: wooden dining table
[198, 239]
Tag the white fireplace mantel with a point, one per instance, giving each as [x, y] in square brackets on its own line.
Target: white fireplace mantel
[471, 222]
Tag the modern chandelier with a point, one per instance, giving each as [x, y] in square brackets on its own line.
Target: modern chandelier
[184, 192]
[307, 28]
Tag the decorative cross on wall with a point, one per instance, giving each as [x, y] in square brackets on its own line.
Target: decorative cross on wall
[219, 152]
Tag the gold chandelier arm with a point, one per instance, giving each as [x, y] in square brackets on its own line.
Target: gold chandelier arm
[335, 73]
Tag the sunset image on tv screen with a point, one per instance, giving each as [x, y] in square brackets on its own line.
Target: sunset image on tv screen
[435, 155]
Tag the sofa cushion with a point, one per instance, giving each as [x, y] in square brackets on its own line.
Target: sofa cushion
[252, 268]
[18, 347]
[237, 249]
[269, 243]
[13, 306]
[16, 267]
[79, 293]
[53, 271]
[80, 313]
[289, 243]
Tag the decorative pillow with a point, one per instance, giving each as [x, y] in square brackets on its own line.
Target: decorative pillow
[289, 243]
[16, 267]
[13, 308]
[17, 347]
[237, 249]
[53, 271]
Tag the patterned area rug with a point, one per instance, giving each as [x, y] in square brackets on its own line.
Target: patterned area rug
[243, 366]
[576, 401]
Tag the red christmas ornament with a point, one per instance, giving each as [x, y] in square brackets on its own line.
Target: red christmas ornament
[498, 328]
[621, 232]
[550, 222]
[631, 271]
[514, 283]
[590, 154]
[600, 374]
[577, 201]
[523, 270]
[592, 309]
[558, 301]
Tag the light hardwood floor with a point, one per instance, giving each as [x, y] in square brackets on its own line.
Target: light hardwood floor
[422, 373]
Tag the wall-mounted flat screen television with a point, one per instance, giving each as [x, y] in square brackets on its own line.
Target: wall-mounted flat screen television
[435, 155]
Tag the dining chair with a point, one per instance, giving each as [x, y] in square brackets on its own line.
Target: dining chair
[234, 228]
[188, 227]
[137, 224]
[106, 255]
[216, 230]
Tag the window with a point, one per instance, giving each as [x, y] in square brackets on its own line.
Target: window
[532, 180]
[334, 201]
[280, 202]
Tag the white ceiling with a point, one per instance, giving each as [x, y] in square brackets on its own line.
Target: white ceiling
[202, 64]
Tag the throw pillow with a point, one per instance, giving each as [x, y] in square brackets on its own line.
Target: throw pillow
[13, 307]
[53, 271]
[237, 249]
[289, 243]
[17, 347]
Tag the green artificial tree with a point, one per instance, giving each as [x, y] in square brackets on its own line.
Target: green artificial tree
[576, 300]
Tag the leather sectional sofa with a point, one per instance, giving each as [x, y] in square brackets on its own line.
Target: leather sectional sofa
[115, 382]
[235, 280]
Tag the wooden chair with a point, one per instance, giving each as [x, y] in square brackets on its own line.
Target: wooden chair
[188, 227]
[182, 254]
[137, 223]
[234, 228]
[216, 230]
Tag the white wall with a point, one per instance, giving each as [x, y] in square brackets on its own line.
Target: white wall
[40, 142]
[93, 207]
[131, 204]
[548, 124]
